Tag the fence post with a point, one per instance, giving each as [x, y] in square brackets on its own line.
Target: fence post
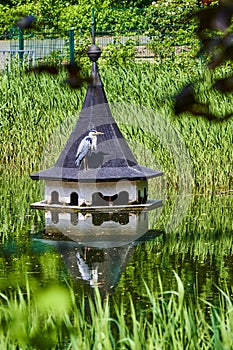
[71, 44]
[21, 43]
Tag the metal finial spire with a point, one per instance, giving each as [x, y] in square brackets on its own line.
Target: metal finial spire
[94, 51]
[93, 27]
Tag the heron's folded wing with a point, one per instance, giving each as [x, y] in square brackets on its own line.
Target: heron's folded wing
[83, 148]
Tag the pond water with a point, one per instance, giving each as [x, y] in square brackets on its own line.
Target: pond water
[199, 248]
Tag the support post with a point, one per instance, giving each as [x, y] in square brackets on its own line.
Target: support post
[21, 43]
[71, 44]
[199, 5]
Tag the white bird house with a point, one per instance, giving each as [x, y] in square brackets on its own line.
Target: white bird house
[96, 169]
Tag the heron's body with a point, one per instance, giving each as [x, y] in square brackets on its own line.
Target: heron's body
[86, 146]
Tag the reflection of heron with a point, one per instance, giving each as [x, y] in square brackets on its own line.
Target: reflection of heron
[88, 273]
[86, 146]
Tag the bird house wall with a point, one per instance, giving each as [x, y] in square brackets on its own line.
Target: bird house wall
[62, 192]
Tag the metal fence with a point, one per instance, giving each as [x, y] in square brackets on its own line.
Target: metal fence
[149, 37]
[9, 58]
[57, 45]
[151, 30]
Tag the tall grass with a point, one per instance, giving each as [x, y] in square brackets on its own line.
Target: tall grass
[32, 107]
[208, 143]
[52, 319]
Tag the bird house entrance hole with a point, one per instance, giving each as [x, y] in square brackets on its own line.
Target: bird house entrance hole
[73, 198]
[98, 199]
[54, 197]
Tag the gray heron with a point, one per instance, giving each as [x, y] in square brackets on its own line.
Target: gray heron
[86, 146]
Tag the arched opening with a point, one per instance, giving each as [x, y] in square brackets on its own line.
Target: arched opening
[74, 198]
[139, 197]
[74, 219]
[98, 199]
[54, 197]
[122, 199]
[145, 195]
[54, 217]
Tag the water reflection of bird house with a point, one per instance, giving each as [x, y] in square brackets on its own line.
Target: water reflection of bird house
[114, 180]
[98, 229]
[97, 257]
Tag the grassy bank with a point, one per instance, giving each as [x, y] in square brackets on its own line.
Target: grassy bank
[52, 319]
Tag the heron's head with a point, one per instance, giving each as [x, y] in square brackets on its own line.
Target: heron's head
[94, 132]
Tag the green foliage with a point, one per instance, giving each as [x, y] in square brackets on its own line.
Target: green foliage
[171, 29]
[77, 17]
[80, 53]
[119, 53]
[10, 15]
[110, 15]
[164, 23]
[121, 20]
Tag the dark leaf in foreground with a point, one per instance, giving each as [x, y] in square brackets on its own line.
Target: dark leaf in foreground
[202, 110]
[199, 109]
[44, 68]
[216, 60]
[74, 79]
[226, 54]
[185, 102]
[26, 22]
[76, 82]
[227, 40]
[209, 43]
[214, 118]
[73, 68]
[224, 85]
[217, 42]
[184, 99]
[218, 17]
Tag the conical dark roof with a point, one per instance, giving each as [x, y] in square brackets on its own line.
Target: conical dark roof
[113, 159]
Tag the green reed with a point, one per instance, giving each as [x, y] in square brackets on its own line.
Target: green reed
[53, 319]
[32, 108]
[20, 255]
[199, 248]
[208, 144]
[16, 194]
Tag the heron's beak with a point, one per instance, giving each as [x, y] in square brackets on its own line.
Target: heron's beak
[99, 133]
